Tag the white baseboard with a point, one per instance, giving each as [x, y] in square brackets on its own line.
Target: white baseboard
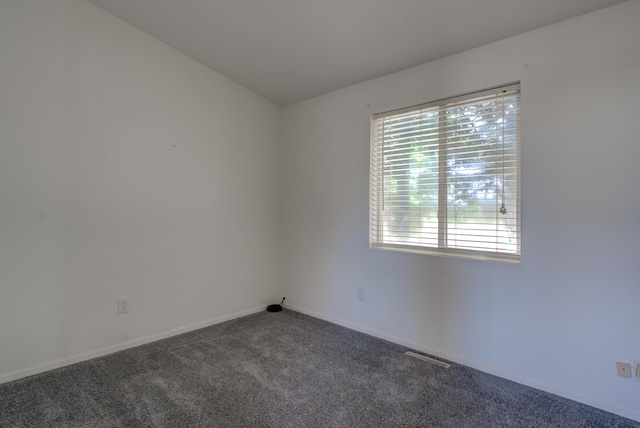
[40, 368]
[505, 374]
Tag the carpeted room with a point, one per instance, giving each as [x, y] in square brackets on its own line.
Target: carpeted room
[129, 169]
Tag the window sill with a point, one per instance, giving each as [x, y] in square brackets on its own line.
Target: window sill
[450, 253]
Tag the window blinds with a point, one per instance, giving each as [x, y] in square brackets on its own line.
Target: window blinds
[445, 177]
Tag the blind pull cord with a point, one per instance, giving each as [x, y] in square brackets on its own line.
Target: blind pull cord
[503, 209]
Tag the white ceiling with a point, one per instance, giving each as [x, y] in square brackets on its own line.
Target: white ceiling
[291, 50]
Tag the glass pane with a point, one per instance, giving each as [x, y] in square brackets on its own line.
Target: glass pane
[410, 160]
[479, 180]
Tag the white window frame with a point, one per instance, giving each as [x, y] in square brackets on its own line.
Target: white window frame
[378, 238]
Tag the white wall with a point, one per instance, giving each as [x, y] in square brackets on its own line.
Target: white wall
[126, 169]
[560, 319]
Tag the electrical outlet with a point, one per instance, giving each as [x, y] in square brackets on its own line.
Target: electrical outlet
[624, 369]
[361, 294]
[636, 370]
[123, 305]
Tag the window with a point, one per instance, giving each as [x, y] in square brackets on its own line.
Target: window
[445, 177]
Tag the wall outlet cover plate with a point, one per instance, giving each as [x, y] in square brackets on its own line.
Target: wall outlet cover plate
[624, 369]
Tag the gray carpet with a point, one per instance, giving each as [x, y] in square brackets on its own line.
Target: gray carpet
[281, 370]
